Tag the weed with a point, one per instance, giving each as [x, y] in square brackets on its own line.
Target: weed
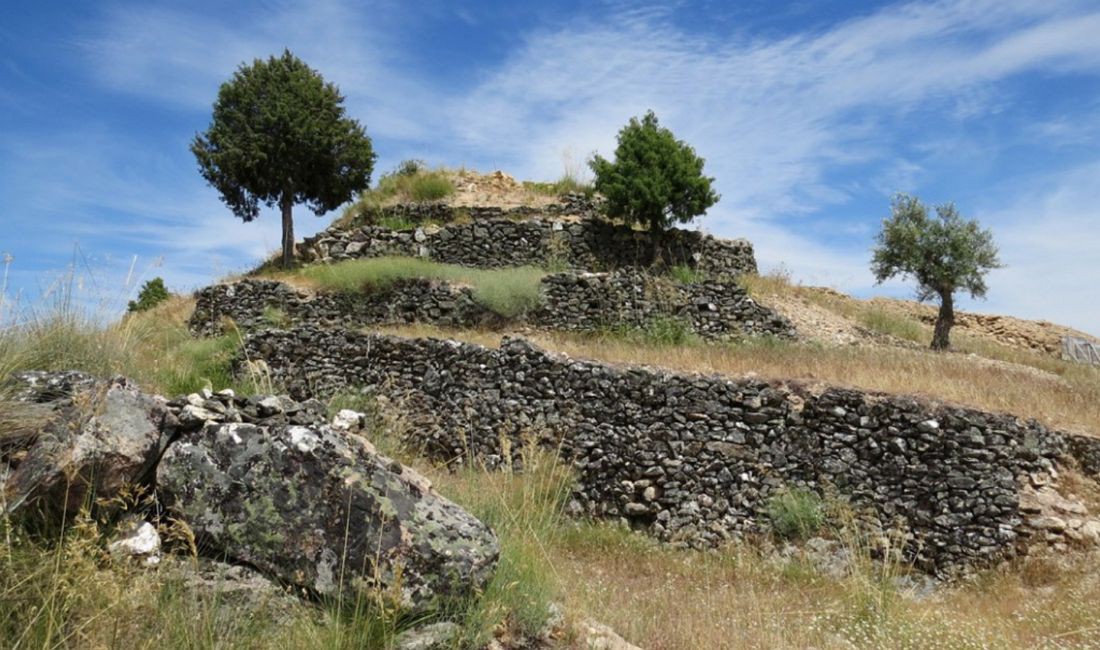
[275, 317]
[685, 274]
[795, 513]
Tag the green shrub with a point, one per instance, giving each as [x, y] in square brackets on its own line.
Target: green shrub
[684, 274]
[430, 186]
[795, 513]
[152, 294]
[275, 317]
[668, 330]
[410, 167]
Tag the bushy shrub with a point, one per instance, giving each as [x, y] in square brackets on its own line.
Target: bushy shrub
[684, 274]
[152, 294]
[795, 513]
[430, 186]
[668, 330]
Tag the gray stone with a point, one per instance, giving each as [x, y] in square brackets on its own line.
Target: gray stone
[102, 438]
[321, 509]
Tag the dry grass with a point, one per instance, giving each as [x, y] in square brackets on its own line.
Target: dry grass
[1067, 401]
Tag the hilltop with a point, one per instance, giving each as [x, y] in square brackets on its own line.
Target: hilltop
[690, 452]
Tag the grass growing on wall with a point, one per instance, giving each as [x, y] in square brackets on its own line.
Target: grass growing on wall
[411, 182]
[508, 292]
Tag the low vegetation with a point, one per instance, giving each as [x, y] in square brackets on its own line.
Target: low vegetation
[69, 593]
[569, 183]
[411, 182]
[508, 292]
[796, 513]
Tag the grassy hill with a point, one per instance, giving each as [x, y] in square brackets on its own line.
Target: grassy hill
[64, 591]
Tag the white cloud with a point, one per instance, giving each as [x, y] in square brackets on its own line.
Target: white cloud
[776, 119]
[1050, 242]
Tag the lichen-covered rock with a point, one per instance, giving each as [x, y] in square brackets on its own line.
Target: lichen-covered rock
[319, 508]
[96, 437]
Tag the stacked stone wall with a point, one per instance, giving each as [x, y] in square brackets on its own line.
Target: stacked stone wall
[568, 301]
[695, 459]
[585, 244]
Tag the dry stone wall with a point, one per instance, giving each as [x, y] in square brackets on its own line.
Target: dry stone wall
[585, 244]
[423, 212]
[695, 459]
[712, 309]
[253, 304]
[569, 301]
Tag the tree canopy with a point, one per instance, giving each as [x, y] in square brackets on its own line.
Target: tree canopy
[943, 254]
[279, 136]
[655, 179]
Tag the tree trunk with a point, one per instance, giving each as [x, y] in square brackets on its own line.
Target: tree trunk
[655, 233]
[288, 231]
[944, 321]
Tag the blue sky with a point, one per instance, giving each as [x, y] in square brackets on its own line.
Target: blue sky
[810, 115]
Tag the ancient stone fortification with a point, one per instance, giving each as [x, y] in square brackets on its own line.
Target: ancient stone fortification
[695, 458]
[252, 304]
[569, 301]
[573, 204]
[585, 244]
[711, 308]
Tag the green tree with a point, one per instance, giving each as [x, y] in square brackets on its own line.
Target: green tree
[279, 136]
[655, 180]
[943, 254]
[152, 294]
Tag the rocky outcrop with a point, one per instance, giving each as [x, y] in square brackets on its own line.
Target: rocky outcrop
[259, 480]
[696, 459]
[586, 244]
[323, 510]
[713, 309]
[95, 438]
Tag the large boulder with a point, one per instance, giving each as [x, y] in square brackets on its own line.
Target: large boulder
[319, 508]
[94, 439]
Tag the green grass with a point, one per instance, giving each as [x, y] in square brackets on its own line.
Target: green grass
[527, 513]
[685, 274]
[882, 321]
[796, 513]
[567, 184]
[508, 292]
[407, 184]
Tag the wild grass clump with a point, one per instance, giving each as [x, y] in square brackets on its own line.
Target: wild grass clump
[657, 332]
[685, 274]
[508, 292]
[567, 184]
[411, 182]
[526, 510]
[796, 514]
[883, 321]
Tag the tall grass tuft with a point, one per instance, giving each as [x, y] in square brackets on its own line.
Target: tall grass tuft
[507, 292]
[526, 510]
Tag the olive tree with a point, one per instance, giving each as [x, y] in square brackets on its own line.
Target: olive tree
[279, 136]
[944, 254]
[655, 179]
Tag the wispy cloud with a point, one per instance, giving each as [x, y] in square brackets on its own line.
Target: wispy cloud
[798, 129]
